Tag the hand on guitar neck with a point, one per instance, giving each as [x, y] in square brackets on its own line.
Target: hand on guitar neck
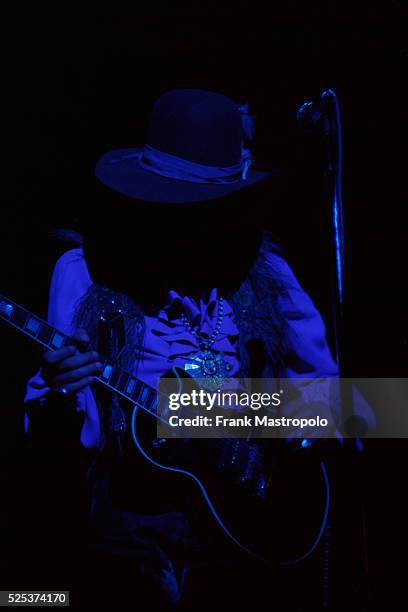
[69, 369]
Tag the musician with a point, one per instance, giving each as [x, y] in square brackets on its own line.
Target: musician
[175, 263]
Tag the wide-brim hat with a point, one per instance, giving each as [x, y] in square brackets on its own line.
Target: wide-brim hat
[196, 151]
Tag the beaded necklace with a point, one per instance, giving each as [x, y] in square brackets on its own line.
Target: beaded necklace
[207, 365]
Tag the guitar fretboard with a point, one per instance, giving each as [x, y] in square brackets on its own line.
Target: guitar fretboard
[112, 376]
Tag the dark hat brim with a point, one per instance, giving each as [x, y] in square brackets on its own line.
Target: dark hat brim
[120, 171]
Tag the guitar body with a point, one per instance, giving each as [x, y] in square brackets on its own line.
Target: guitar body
[259, 497]
[262, 497]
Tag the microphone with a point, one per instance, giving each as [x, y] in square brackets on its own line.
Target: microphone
[315, 113]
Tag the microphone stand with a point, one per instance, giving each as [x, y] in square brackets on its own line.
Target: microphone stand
[325, 114]
[333, 174]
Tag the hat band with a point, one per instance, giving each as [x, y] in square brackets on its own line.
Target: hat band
[174, 167]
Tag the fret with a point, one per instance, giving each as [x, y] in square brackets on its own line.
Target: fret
[115, 376]
[124, 383]
[106, 372]
[33, 326]
[130, 386]
[19, 317]
[153, 405]
[150, 399]
[124, 377]
[138, 388]
[144, 394]
[45, 333]
[112, 376]
[30, 324]
[57, 340]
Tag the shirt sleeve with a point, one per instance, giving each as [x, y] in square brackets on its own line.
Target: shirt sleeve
[69, 283]
[309, 355]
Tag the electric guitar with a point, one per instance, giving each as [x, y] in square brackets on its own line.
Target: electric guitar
[272, 504]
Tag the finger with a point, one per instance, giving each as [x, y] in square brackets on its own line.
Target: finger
[79, 360]
[79, 385]
[81, 335]
[81, 340]
[77, 374]
[53, 357]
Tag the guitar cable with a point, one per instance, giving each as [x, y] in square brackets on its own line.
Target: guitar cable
[215, 514]
[323, 523]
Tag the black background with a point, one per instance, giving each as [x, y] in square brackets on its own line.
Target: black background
[76, 85]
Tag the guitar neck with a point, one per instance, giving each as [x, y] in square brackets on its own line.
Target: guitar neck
[112, 376]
